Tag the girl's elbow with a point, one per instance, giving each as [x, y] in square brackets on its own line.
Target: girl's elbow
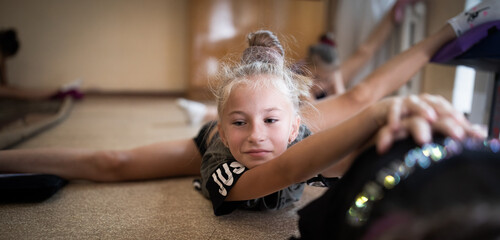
[362, 95]
[107, 166]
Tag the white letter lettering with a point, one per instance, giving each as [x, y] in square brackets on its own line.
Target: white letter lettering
[222, 190]
[238, 167]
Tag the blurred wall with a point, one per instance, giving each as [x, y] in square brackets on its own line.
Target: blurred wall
[113, 45]
[218, 30]
[148, 45]
[145, 45]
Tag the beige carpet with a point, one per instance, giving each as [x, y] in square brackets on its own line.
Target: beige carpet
[159, 209]
[21, 120]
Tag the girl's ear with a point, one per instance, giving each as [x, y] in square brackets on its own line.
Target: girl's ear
[221, 134]
[295, 129]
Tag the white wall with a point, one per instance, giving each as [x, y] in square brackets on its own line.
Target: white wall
[113, 45]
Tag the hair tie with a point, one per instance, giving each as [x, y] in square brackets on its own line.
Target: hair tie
[327, 41]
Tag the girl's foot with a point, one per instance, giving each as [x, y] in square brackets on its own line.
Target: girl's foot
[484, 12]
[196, 111]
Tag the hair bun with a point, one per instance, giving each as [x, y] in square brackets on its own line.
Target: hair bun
[265, 47]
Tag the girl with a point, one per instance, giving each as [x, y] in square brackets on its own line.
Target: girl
[244, 158]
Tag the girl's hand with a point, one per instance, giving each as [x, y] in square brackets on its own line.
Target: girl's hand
[420, 116]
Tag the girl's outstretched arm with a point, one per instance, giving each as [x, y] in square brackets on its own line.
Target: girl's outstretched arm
[383, 81]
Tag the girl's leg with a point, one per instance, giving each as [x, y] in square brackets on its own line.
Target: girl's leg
[166, 159]
[159, 160]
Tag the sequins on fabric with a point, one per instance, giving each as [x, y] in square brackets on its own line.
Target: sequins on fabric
[389, 177]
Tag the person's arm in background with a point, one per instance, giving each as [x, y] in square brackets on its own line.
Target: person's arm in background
[26, 94]
[370, 46]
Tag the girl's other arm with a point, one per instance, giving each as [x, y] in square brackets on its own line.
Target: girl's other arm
[384, 80]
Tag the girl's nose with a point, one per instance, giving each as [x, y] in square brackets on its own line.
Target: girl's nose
[257, 133]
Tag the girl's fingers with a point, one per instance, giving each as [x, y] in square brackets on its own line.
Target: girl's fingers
[418, 106]
[421, 116]
[419, 128]
[411, 105]
[395, 114]
[386, 137]
[444, 108]
[478, 131]
[422, 130]
[448, 126]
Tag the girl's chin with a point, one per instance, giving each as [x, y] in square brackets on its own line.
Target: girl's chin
[255, 163]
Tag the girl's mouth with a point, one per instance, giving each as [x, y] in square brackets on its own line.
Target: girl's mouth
[258, 153]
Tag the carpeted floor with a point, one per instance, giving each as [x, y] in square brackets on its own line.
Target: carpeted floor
[21, 120]
[157, 209]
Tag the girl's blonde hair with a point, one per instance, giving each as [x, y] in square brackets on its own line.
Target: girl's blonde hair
[264, 56]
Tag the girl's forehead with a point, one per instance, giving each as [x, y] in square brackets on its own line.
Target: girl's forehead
[261, 90]
[255, 97]
[260, 82]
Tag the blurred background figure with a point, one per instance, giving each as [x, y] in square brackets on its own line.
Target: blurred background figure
[9, 46]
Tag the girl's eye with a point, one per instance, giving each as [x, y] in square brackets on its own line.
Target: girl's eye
[270, 120]
[238, 123]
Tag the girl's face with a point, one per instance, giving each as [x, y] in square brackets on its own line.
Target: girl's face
[257, 123]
